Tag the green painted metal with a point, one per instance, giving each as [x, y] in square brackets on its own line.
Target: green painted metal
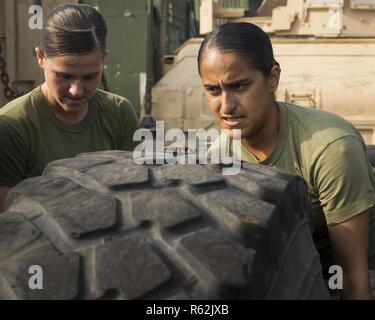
[177, 24]
[127, 38]
[127, 45]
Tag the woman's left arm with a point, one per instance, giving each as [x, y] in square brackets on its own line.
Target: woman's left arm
[349, 241]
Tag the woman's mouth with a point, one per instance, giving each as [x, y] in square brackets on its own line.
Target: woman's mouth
[74, 101]
[233, 121]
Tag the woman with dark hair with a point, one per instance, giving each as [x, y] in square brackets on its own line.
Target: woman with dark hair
[240, 77]
[67, 114]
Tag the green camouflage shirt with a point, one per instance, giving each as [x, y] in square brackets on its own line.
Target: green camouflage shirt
[329, 154]
[31, 135]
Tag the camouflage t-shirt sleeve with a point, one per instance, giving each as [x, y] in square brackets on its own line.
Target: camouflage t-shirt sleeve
[344, 180]
[13, 154]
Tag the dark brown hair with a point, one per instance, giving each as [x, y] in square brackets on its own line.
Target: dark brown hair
[73, 29]
[245, 39]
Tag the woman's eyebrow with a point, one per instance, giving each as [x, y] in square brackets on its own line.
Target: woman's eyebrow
[61, 72]
[71, 75]
[236, 82]
[209, 85]
[91, 74]
[232, 83]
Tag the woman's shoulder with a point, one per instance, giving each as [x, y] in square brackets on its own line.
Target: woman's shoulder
[317, 124]
[20, 106]
[116, 107]
[111, 100]
[21, 112]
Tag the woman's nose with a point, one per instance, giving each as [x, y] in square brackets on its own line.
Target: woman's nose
[228, 103]
[76, 89]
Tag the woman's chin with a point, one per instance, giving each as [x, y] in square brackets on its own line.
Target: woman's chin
[232, 133]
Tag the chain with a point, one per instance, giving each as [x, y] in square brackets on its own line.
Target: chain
[4, 77]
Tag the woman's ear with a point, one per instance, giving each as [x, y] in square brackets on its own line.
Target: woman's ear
[40, 57]
[274, 78]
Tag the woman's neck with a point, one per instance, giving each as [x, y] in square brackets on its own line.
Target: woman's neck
[66, 117]
[264, 141]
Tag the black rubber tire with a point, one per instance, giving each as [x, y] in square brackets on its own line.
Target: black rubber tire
[102, 227]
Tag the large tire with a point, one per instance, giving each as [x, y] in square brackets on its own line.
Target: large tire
[102, 227]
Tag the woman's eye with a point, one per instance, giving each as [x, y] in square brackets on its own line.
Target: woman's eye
[238, 86]
[212, 90]
[63, 76]
[91, 77]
